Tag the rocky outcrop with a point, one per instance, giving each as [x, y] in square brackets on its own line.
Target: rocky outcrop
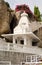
[14, 21]
[8, 19]
[5, 18]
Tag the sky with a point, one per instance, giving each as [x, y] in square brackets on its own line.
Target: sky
[30, 3]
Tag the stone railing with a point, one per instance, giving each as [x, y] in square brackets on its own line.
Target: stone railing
[20, 48]
[6, 46]
[9, 46]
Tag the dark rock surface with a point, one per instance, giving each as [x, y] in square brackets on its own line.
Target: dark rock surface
[5, 18]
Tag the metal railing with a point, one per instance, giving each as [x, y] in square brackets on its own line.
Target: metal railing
[32, 60]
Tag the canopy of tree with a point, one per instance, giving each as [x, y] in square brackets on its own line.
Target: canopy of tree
[37, 13]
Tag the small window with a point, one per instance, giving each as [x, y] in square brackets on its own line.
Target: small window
[16, 41]
[34, 43]
[22, 41]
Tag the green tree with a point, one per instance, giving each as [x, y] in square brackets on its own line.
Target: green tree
[37, 13]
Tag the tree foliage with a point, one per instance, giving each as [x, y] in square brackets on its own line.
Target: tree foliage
[37, 13]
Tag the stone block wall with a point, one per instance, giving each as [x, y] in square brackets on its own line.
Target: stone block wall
[14, 57]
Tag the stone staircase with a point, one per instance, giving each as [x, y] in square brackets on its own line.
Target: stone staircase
[35, 25]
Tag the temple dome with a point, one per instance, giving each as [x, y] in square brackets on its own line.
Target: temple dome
[23, 25]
